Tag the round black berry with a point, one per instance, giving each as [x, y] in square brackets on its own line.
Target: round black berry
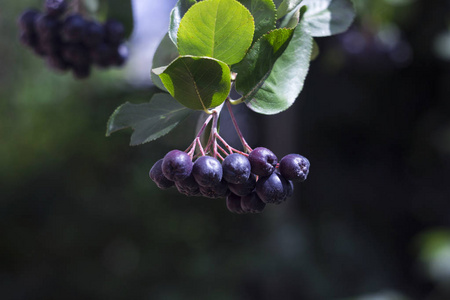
[294, 167]
[218, 190]
[290, 189]
[51, 46]
[188, 186]
[76, 54]
[244, 188]
[115, 32]
[47, 27]
[236, 168]
[102, 55]
[27, 20]
[158, 177]
[57, 63]
[94, 34]
[252, 203]
[29, 39]
[234, 204]
[73, 28]
[55, 8]
[263, 161]
[38, 49]
[120, 55]
[177, 165]
[81, 71]
[207, 171]
[272, 189]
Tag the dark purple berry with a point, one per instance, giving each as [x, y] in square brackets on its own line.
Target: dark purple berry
[55, 8]
[236, 168]
[263, 161]
[38, 49]
[158, 177]
[51, 46]
[207, 171]
[218, 190]
[102, 55]
[27, 20]
[272, 189]
[29, 39]
[57, 63]
[188, 186]
[120, 56]
[94, 34]
[177, 165]
[234, 204]
[76, 54]
[47, 27]
[115, 32]
[252, 203]
[73, 28]
[290, 189]
[294, 167]
[244, 188]
[81, 71]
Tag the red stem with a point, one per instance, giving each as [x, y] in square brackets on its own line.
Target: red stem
[247, 148]
[191, 149]
[223, 150]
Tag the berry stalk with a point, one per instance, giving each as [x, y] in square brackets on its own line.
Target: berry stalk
[216, 145]
[248, 180]
[247, 148]
[191, 149]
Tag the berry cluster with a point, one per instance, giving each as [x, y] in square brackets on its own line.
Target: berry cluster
[248, 182]
[69, 41]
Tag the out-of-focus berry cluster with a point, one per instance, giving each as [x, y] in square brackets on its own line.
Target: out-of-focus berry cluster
[70, 42]
[247, 183]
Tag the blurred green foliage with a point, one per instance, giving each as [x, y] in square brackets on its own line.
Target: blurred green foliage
[79, 218]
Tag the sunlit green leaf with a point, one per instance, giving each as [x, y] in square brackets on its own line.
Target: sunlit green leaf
[164, 55]
[282, 84]
[196, 82]
[291, 19]
[328, 17]
[176, 15]
[222, 29]
[257, 65]
[264, 13]
[287, 6]
[148, 120]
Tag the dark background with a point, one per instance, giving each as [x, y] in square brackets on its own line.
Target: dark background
[80, 219]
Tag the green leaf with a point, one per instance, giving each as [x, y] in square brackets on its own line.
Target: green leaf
[432, 243]
[92, 6]
[222, 29]
[279, 90]
[164, 55]
[264, 13]
[277, 3]
[291, 19]
[328, 17]
[287, 6]
[176, 15]
[196, 82]
[315, 50]
[149, 120]
[121, 11]
[258, 63]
